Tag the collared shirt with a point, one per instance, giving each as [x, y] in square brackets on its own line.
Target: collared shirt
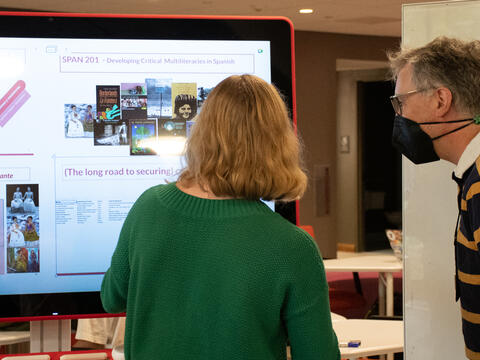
[469, 156]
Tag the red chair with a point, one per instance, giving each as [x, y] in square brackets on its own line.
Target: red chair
[308, 229]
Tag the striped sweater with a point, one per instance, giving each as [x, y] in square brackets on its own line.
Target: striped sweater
[467, 256]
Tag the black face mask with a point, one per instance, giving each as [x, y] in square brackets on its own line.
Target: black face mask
[414, 143]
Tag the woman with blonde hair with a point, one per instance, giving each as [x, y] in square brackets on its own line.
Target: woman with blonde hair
[203, 268]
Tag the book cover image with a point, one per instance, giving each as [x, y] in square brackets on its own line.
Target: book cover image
[184, 109]
[108, 102]
[159, 98]
[168, 127]
[143, 139]
[109, 129]
[133, 101]
[202, 96]
[184, 101]
[111, 133]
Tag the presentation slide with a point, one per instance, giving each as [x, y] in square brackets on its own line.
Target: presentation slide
[86, 126]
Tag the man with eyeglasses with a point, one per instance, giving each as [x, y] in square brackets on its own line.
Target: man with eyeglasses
[437, 108]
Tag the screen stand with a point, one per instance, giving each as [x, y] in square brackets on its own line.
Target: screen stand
[50, 335]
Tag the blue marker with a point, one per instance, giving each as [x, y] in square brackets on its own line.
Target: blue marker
[351, 343]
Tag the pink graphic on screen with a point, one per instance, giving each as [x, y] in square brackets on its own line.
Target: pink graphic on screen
[2, 240]
[12, 101]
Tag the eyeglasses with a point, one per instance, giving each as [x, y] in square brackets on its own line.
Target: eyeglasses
[397, 103]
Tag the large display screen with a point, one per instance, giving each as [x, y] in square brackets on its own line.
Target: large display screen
[90, 117]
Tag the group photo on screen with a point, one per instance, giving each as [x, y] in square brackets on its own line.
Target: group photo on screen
[79, 120]
[23, 228]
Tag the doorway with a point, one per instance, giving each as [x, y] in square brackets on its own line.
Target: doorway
[380, 166]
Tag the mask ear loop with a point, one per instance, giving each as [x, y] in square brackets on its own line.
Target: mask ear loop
[449, 122]
[459, 128]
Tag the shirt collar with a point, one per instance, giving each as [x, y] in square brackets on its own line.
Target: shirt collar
[469, 156]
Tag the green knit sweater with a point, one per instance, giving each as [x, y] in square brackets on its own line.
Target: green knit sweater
[217, 280]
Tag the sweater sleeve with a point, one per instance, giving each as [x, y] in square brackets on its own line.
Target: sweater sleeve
[307, 309]
[114, 289]
[115, 282]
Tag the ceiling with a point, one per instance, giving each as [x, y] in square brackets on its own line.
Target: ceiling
[366, 17]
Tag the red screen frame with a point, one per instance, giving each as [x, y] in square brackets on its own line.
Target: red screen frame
[45, 15]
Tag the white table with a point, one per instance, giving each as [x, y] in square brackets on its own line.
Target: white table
[378, 337]
[336, 317]
[384, 264]
[14, 337]
[15, 341]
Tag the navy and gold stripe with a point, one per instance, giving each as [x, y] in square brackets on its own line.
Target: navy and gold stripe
[472, 245]
[472, 191]
[477, 163]
[471, 317]
[472, 355]
[476, 236]
[469, 278]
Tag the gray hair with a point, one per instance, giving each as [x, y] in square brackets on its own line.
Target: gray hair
[447, 62]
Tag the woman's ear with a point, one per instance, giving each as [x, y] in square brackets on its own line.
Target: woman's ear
[444, 98]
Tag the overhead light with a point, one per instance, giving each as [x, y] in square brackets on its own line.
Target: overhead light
[305, 11]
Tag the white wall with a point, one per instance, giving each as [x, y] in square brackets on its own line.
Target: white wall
[432, 318]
